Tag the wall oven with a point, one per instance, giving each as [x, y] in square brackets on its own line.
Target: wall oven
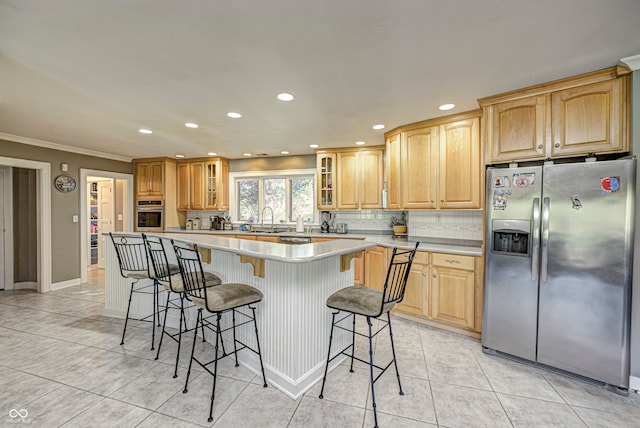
[150, 216]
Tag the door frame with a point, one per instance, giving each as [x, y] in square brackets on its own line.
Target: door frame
[8, 225]
[43, 213]
[84, 227]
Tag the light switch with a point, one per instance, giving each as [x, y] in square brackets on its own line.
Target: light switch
[119, 217]
[75, 219]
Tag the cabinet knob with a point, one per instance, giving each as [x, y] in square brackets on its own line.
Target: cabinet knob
[540, 146]
[434, 275]
[556, 145]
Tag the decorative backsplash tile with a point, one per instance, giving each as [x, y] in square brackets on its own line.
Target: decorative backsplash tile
[434, 224]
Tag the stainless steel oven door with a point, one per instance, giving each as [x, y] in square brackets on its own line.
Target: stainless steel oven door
[149, 219]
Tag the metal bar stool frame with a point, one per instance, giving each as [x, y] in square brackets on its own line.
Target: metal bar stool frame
[393, 292]
[192, 275]
[164, 273]
[133, 261]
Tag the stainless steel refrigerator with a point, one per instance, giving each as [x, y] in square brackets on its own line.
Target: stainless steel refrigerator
[559, 243]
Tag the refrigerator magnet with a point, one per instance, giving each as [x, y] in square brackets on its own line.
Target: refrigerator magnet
[609, 185]
[499, 202]
[501, 181]
[524, 180]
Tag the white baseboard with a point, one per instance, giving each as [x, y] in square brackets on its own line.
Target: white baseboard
[26, 285]
[64, 284]
[634, 383]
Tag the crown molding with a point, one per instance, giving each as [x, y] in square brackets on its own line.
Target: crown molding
[62, 147]
[633, 62]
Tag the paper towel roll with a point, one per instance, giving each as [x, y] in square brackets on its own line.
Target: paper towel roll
[299, 225]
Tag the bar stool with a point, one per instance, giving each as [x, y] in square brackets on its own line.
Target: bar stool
[371, 303]
[216, 301]
[134, 265]
[168, 275]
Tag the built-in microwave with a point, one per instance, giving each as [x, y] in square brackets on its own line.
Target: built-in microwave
[150, 216]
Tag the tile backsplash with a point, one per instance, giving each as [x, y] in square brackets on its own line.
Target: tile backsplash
[433, 224]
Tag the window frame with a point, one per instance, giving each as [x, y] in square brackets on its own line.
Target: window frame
[286, 174]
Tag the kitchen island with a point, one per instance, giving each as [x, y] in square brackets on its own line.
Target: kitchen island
[293, 319]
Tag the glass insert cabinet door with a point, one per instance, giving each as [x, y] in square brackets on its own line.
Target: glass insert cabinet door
[212, 175]
[326, 177]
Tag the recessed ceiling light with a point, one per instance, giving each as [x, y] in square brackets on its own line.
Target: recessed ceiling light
[212, 154]
[246, 154]
[378, 126]
[360, 143]
[234, 115]
[313, 146]
[191, 125]
[179, 156]
[284, 152]
[145, 131]
[285, 97]
[446, 106]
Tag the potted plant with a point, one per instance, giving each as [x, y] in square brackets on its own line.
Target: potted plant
[399, 224]
[591, 157]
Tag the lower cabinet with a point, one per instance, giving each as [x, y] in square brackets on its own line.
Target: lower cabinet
[443, 290]
[375, 272]
[453, 290]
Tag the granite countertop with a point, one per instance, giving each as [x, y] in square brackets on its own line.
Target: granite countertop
[439, 245]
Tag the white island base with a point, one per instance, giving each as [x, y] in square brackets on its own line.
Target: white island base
[293, 320]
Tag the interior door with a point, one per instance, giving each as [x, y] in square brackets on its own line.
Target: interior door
[105, 215]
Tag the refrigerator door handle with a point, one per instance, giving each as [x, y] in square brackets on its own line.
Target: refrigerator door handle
[545, 239]
[535, 250]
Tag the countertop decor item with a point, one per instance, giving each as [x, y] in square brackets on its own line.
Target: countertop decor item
[65, 184]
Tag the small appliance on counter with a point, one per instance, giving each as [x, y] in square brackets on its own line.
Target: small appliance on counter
[341, 227]
[189, 224]
[326, 218]
[196, 223]
[217, 223]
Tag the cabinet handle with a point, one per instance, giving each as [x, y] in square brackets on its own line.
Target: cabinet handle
[540, 146]
[452, 261]
[556, 145]
[435, 276]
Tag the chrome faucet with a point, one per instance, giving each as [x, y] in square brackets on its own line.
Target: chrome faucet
[263, 210]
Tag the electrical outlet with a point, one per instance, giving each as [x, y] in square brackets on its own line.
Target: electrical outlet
[75, 219]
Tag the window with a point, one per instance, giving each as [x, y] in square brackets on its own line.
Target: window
[288, 193]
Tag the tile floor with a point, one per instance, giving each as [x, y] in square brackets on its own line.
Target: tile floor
[62, 365]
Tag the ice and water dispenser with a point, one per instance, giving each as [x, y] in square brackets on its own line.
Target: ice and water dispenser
[511, 237]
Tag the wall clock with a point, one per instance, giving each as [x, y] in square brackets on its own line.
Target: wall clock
[65, 184]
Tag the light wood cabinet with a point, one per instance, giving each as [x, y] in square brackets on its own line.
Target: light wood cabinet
[453, 290]
[267, 238]
[440, 163]
[376, 265]
[149, 179]
[563, 118]
[416, 300]
[356, 181]
[326, 177]
[358, 270]
[392, 170]
[203, 184]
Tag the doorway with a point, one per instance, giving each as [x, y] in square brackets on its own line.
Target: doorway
[43, 221]
[106, 208]
[6, 226]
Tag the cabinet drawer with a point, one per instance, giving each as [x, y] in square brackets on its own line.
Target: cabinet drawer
[453, 260]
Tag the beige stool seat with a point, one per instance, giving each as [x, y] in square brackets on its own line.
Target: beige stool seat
[210, 280]
[359, 300]
[228, 296]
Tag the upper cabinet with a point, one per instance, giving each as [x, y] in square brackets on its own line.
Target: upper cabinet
[436, 164]
[350, 179]
[564, 118]
[203, 184]
[326, 171]
[155, 178]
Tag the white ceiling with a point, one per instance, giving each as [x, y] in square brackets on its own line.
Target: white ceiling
[90, 73]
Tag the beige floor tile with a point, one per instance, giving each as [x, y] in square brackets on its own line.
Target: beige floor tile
[269, 408]
[517, 379]
[345, 387]
[599, 419]
[317, 413]
[60, 406]
[458, 406]
[527, 412]
[385, 420]
[456, 368]
[416, 403]
[108, 413]
[156, 420]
